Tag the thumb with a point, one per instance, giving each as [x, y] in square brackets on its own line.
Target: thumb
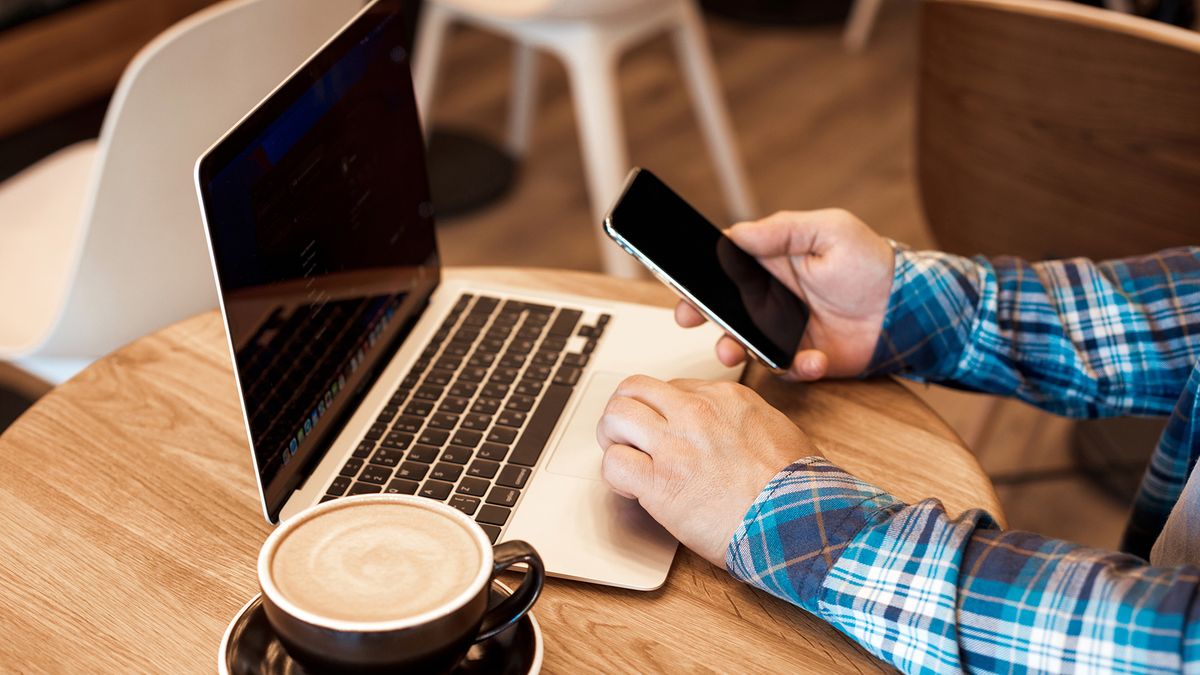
[627, 470]
[779, 234]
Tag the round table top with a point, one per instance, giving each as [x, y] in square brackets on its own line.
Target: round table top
[130, 524]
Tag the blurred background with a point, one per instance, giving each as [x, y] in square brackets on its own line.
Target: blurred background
[824, 103]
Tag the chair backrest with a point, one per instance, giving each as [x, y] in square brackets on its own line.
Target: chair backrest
[143, 261]
[545, 9]
[1050, 129]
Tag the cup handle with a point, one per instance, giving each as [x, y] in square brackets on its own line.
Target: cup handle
[512, 608]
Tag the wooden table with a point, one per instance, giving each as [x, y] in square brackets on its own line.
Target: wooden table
[129, 523]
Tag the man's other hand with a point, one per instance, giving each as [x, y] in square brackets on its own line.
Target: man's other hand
[839, 266]
[695, 454]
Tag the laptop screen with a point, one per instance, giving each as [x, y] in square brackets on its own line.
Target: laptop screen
[321, 230]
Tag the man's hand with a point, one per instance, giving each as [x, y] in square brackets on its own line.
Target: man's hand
[695, 454]
[839, 266]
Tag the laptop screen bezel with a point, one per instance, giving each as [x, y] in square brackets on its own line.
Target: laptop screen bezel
[274, 496]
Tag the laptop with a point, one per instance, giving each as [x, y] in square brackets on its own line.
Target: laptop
[363, 369]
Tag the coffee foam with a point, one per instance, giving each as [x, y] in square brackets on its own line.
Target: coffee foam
[374, 562]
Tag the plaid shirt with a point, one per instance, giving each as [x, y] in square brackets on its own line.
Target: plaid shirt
[928, 593]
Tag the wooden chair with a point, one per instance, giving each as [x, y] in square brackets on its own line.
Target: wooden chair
[1048, 129]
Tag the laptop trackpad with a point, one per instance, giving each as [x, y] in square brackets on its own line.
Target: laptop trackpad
[577, 453]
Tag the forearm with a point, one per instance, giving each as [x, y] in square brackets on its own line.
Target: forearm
[1072, 336]
[928, 593]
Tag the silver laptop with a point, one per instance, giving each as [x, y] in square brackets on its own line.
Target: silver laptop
[362, 369]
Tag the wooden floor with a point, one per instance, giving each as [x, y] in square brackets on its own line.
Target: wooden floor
[817, 127]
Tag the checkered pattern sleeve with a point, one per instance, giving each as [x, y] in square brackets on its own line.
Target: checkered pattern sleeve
[931, 594]
[1071, 336]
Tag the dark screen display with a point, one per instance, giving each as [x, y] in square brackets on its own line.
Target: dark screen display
[697, 256]
[322, 233]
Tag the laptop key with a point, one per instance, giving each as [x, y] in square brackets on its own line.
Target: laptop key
[477, 487]
[486, 304]
[397, 439]
[475, 320]
[466, 334]
[529, 332]
[541, 358]
[436, 489]
[505, 435]
[490, 345]
[434, 437]
[423, 453]
[456, 454]
[513, 476]
[473, 374]
[443, 420]
[481, 360]
[564, 323]
[428, 393]
[338, 487]
[329, 498]
[529, 387]
[419, 408]
[446, 472]
[439, 377]
[482, 468]
[579, 360]
[375, 432]
[492, 531]
[412, 470]
[464, 389]
[554, 343]
[364, 449]
[449, 362]
[504, 375]
[493, 515]
[511, 418]
[476, 421]
[407, 423]
[495, 390]
[467, 437]
[467, 505]
[387, 457]
[457, 349]
[453, 404]
[511, 360]
[386, 415]
[401, 486]
[533, 440]
[351, 468]
[503, 496]
[492, 451]
[520, 346]
[375, 474]
[538, 372]
[486, 406]
[364, 489]
[520, 402]
[567, 375]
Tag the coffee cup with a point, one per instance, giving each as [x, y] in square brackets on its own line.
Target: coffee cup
[385, 583]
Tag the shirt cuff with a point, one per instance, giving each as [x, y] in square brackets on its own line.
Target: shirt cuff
[931, 313]
[797, 528]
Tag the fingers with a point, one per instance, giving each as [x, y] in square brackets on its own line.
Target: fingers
[787, 233]
[627, 421]
[809, 365]
[688, 316]
[627, 470]
[729, 352]
[658, 395]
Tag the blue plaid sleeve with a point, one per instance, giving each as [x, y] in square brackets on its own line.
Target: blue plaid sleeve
[1071, 336]
[931, 594]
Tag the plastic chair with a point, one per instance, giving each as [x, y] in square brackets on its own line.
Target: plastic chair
[102, 242]
[589, 36]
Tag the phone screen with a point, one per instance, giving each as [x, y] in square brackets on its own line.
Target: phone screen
[729, 284]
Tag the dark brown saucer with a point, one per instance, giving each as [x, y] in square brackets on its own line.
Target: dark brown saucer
[250, 647]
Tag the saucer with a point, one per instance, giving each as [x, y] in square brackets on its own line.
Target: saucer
[249, 646]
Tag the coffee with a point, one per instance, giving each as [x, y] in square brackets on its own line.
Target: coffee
[375, 561]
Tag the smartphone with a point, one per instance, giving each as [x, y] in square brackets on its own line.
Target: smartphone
[689, 254]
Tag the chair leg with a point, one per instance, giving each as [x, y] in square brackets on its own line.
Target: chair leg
[860, 23]
[700, 75]
[523, 100]
[427, 57]
[591, 67]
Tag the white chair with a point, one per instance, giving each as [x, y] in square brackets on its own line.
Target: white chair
[102, 242]
[589, 36]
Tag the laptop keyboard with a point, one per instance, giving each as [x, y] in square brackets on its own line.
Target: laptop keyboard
[470, 420]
